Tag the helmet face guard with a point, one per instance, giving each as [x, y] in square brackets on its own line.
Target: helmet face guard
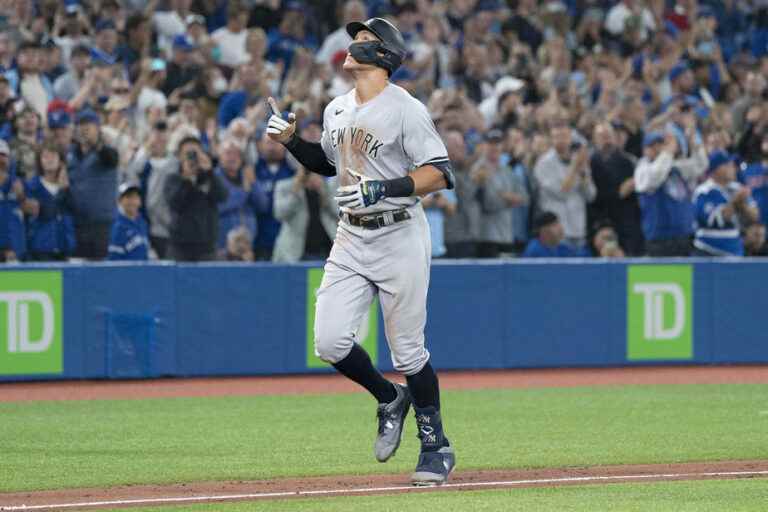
[374, 52]
[388, 52]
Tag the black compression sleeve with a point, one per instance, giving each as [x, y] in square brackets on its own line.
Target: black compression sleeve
[399, 187]
[310, 155]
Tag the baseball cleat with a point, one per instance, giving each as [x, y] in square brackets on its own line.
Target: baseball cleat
[391, 418]
[434, 467]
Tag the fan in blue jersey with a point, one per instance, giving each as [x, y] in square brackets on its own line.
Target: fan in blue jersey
[721, 206]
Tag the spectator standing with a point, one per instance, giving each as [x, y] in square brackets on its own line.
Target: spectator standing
[613, 173]
[462, 230]
[437, 207]
[129, 238]
[12, 233]
[247, 93]
[67, 85]
[338, 40]
[244, 195]
[516, 152]
[308, 217]
[150, 168]
[498, 195]
[722, 206]
[27, 79]
[754, 87]
[664, 187]
[50, 233]
[93, 183]
[271, 167]
[182, 69]
[61, 129]
[755, 176]
[231, 38]
[564, 183]
[754, 240]
[549, 241]
[25, 146]
[105, 42]
[193, 195]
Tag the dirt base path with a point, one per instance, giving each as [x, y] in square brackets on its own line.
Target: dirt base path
[206, 492]
[128, 496]
[332, 383]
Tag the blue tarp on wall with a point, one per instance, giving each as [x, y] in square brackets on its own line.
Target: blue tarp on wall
[161, 319]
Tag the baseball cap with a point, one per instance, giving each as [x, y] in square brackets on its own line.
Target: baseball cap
[128, 186]
[493, 135]
[719, 158]
[87, 116]
[58, 119]
[652, 138]
[183, 43]
[544, 219]
[677, 70]
[104, 25]
[4, 149]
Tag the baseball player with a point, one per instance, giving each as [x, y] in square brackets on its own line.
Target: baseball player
[383, 146]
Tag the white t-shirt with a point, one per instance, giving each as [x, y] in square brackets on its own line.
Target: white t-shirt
[336, 41]
[232, 46]
[168, 25]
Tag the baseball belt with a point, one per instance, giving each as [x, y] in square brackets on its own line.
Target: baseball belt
[376, 220]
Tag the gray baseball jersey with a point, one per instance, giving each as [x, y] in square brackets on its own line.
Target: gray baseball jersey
[382, 139]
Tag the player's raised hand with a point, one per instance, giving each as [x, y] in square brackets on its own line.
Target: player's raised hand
[279, 129]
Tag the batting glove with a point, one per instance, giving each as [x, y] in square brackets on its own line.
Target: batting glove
[360, 195]
[278, 128]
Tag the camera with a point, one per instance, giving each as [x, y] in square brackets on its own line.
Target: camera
[191, 156]
[575, 146]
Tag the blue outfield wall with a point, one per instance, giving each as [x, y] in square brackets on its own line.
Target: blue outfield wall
[162, 319]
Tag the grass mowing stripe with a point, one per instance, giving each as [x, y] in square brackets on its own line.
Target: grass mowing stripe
[48, 445]
[694, 496]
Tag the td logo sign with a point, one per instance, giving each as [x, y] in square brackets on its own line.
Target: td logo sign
[30, 323]
[659, 312]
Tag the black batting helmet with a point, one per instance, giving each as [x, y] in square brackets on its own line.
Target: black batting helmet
[387, 54]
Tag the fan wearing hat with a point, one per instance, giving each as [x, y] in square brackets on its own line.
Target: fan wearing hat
[549, 239]
[129, 237]
[92, 167]
[663, 184]
[722, 205]
[498, 194]
[28, 79]
[182, 68]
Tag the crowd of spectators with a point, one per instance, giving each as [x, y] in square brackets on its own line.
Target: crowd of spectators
[134, 129]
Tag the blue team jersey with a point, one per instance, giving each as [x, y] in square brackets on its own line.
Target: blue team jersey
[535, 249]
[715, 234]
[129, 239]
[667, 212]
[755, 176]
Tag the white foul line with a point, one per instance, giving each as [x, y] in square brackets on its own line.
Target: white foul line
[363, 490]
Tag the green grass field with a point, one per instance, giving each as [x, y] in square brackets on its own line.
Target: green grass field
[697, 496]
[48, 445]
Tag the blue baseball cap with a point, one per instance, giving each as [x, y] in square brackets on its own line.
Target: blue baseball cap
[87, 116]
[183, 43]
[717, 159]
[104, 25]
[652, 138]
[59, 119]
[677, 70]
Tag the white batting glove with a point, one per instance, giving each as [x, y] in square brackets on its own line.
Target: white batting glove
[360, 195]
[278, 129]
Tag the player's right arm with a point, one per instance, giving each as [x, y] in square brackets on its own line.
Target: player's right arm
[310, 154]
